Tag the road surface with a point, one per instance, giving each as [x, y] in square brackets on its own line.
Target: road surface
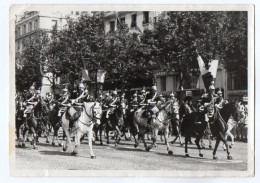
[125, 156]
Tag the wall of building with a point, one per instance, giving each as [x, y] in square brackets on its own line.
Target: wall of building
[128, 19]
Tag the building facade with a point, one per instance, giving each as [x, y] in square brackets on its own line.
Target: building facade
[233, 84]
[28, 26]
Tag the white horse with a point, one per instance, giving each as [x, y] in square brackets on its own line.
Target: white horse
[233, 123]
[90, 114]
[161, 123]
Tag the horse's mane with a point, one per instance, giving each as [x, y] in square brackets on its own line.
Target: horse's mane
[226, 111]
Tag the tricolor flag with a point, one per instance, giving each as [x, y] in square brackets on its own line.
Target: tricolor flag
[210, 74]
[85, 75]
[101, 76]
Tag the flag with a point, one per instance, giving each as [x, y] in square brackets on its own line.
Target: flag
[85, 75]
[213, 68]
[201, 65]
[101, 76]
[207, 78]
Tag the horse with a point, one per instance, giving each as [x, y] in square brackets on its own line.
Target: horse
[115, 122]
[194, 123]
[33, 124]
[219, 125]
[54, 121]
[232, 123]
[19, 120]
[175, 123]
[160, 122]
[89, 115]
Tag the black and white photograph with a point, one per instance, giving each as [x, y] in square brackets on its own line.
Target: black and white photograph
[131, 90]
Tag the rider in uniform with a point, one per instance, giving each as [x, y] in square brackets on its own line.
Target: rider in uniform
[84, 95]
[220, 102]
[152, 100]
[172, 98]
[112, 103]
[105, 102]
[64, 101]
[142, 98]
[134, 103]
[32, 101]
[123, 99]
[161, 101]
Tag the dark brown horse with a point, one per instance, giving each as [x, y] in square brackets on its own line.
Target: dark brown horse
[115, 122]
[195, 123]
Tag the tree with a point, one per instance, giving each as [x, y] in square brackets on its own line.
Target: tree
[179, 37]
[127, 57]
[28, 68]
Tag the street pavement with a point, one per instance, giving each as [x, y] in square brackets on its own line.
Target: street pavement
[126, 157]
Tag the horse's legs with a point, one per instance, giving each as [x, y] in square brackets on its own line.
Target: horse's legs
[68, 140]
[222, 138]
[90, 136]
[34, 140]
[142, 133]
[118, 136]
[166, 132]
[77, 142]
[197, 141]
[100, 134]
[154, 139]
[187, 138]
[107, 133]
[215, 149]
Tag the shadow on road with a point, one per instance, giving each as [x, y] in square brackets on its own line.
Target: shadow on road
[55, 153]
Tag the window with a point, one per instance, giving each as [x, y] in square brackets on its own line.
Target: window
[72, 12]
[163, 83]
[191, 81]
[30, 26]
[154, 19]
[18, 46]
[24, 28]
[54, 23]
[19, 31]
[122, 20]
[77, 12]
[112, 26]
[146, 17]
[237, 81]
[35, 24]
[133, 20]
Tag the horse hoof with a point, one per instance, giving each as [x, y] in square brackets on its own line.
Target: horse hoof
[187, 155]
[23, 144]
[35, 148]
[210, 147]
[47, 141]
[203, 147]
[64, 149]
[74, 153]
[53, 143]
[230, 146]
[135, 145]
[60, 145]
[229, 157]
[27, 140]
[31, 143]
[170, 152]
[93, 157]
[215, 158]
[181, 145]
[201, 155]
[148, 148]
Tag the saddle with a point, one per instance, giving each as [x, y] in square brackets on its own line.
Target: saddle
[73, 113]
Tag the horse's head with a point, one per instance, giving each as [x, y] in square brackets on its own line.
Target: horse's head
[97, 112]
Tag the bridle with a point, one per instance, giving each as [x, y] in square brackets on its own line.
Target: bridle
[92, 117]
